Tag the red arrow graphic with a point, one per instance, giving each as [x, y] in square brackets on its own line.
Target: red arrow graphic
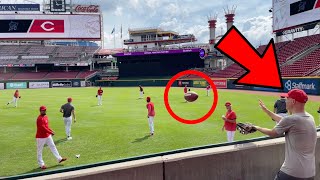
[262, 70]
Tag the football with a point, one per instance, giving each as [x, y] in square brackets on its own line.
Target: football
[191, 96]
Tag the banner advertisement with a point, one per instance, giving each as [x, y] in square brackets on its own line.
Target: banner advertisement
[182, 83]
[76, 84]
[236, 86]
[57, 84]
[199, 83]
[86, 8]
[19, 7]
[1, 85]
[37, 85]
[310, 86]
[16, 85]
[83, 84]
[45, 26]
[220, 83]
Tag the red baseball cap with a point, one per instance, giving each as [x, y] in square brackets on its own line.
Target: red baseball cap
[227, 104]
[283, 95]
[148, 98]
[43, 108]
[69, 99]
[298, 95]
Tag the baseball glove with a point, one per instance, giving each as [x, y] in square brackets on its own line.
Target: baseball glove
[246, 128]
[318, 111]
[96, 95]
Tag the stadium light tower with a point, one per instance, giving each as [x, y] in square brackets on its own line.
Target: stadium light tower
[229, 14]
[212, 20]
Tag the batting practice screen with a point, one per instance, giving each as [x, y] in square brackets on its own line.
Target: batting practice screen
[290, 13]
[42, 26]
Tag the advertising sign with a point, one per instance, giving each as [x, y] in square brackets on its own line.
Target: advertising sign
[45, 26]
[19, 7]
[37, 85]
[1, 85]
[57, 84]
[310, 86]
[86, 8]
[16, 85]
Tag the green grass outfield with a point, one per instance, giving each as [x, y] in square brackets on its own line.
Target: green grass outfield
[119, 128]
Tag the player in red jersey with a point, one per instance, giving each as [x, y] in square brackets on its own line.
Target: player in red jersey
[208, 89]
[230, 124]
[15, 98]
[151, 114]
[44, 136]
[99, 96]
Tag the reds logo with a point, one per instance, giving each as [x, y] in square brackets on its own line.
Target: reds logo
[47, 26]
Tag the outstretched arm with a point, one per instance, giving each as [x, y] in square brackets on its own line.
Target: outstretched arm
[274, 116]
[266, 131]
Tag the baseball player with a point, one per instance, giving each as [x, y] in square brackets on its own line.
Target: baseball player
[141, 92]
[44, 136]
[208, 89]
[15, 98]
[280, 107]
[99, 96]
[230, 124]
[319, 114]
[68, 113]
[185, 90]
[151, 114]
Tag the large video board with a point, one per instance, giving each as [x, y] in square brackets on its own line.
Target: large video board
[43, 26]
[291, 13]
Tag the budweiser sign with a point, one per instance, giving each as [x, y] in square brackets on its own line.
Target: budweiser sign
[86, 8]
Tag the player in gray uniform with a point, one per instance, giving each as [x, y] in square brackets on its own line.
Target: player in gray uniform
[68, 112]
[280, 106]
[300, 136]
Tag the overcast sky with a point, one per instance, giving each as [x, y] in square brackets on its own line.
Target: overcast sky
[183, 16]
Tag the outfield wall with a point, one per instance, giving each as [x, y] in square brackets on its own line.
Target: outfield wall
[245, 160]
[37, 84]
[311, 85]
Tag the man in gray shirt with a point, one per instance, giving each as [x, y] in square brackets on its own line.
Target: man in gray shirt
[300, 135]
[68, 112]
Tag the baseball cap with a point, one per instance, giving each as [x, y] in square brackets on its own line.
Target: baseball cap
[43, 108]
[148, 98]
[298, 95]
[69, 99]
[227, 104]
[283, 95]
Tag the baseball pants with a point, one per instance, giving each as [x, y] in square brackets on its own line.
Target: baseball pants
[15, 101]
[49, 141]
[141, 94]
[67, 125]
[230, 135]
[151, 124]
[99, 100]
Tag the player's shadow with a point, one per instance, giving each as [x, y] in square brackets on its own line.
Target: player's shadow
[60, 141]
[141, 139]
[41, 170]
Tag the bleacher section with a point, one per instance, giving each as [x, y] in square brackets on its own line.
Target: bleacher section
[46, 75]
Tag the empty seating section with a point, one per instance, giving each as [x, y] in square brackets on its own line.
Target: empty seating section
[18, 54]
[29, 75]
[304, 66]
[6, 76]
[85, 74]
[62, 75]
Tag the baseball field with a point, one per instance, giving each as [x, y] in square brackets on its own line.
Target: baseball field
[119, 128]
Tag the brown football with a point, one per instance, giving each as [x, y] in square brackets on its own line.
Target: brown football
[191, 96]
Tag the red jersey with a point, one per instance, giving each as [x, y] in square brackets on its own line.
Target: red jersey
[185, 90]
[208, 87]
[100, 91]
[16, 94]
[43, 130]
[228, 125]
[150, 107]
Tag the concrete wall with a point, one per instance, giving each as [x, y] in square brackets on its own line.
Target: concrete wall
[251, 161]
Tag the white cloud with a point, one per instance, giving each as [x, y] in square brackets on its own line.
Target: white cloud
[118, 11]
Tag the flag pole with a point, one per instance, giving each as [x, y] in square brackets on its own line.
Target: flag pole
[114, 39]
